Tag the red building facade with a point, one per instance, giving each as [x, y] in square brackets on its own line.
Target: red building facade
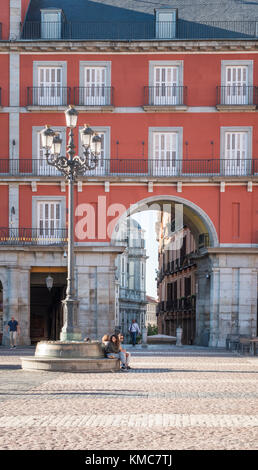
[178, 120]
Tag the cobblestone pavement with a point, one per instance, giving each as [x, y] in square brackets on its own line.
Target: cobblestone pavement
[173, 398]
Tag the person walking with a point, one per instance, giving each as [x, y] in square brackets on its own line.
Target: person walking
[134, 329]
[14, 329]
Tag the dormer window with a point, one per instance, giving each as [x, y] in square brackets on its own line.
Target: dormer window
[51, 23]
[166, 20]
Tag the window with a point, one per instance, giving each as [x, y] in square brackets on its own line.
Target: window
[166, 83]
[51, 24]
[165, 150]
[48, 216]
[237, 83]
[166, 23]
[104, 157]
[40, 165]
[95, 84]
[236, 150]
[49, 222]
[49, 84]
[123, 271]
[131, 275]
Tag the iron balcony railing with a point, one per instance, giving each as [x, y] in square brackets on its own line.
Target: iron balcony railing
[33, 236]
[236, 95]
[94, 96]
[133, 167]
[178, 305]
[132, 295]
[48, 96]
[120, 30]
[165, 95]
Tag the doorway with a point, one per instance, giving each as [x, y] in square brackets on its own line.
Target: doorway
[46, 310]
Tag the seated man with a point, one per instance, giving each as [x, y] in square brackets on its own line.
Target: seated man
[127, 354]
[113, 350]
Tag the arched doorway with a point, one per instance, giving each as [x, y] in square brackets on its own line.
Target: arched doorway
[183, 279]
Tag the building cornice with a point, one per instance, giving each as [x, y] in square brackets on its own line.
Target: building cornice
[190, 46]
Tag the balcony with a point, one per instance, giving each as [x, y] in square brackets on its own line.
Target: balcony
[139, 168]
[32, 236]
[237, 98]
[132, 295]
[180, 305]
[165, 98]
[129, 31]
[54, 97]
[94, 98]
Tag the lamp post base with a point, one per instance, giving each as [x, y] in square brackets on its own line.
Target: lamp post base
[70, 330]
[72, 336]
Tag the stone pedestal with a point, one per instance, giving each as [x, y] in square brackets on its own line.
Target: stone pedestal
[73, 356]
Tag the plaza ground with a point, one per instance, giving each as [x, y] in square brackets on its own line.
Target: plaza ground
[173, 398]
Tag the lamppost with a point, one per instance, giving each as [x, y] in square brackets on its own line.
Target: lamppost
[71, 167]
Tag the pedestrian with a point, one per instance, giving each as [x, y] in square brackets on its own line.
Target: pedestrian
[127, 354]
[14, 329]
[134, 329]
[112, 351]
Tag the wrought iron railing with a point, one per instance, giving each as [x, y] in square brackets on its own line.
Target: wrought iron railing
[94, 96]
[165, 95]
[181, 304]
[121, 30]
[48, 96]
[134, 167]
[237, 95]
[32, 236]
[132, 295]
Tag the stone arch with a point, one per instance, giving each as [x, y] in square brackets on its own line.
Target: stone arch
[195, 217]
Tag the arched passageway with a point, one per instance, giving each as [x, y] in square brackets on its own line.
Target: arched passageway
[184, 232]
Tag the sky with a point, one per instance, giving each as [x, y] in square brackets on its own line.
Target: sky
[147, 220]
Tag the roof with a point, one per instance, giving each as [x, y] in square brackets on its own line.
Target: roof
[191, 16]
[150, 299]
[143, 10]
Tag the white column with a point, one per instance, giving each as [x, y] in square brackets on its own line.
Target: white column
[15, 19]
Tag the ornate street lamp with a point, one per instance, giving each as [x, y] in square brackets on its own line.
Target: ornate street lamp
[71, 166]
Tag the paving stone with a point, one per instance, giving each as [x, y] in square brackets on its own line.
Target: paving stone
[187, 398]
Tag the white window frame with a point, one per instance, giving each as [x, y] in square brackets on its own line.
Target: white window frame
[235, 167]
[48, 238]
[96, 96]
[170, 95]
[104, 160]
[49, 31]
[231, 95]
[166, 29]
[41, 167]
[57, 98]
[160, 167]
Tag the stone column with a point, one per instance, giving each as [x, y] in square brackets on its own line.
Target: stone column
[214, 306]
[96, 292]
[15, 19]
[247, 301]
[17, 302]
